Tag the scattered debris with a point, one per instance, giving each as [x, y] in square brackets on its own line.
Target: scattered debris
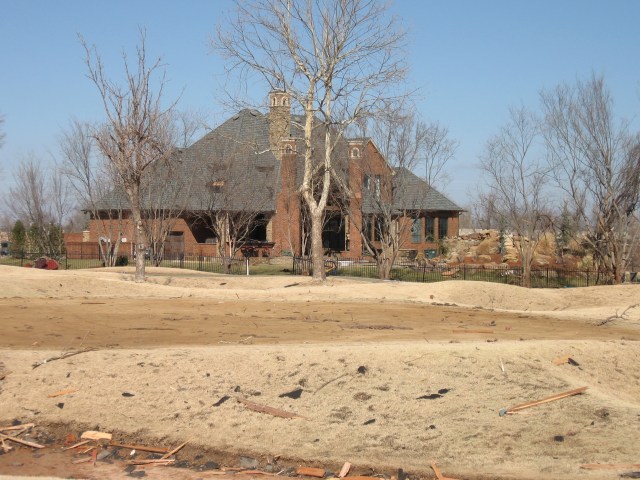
[431, 396]
[370, 421]
[221, 401]
[344, 471]
[630, 475]
[4, 375]
[292, 285]
[62, 392]
[94, 435]
[60, 405]
[617, 316]
[295, 394]
[20, 441]
[20, 426]
[150, 461]
[311, 472]
[127, 394]
[438, 473]
[362, 369]
[566, 359]
[63, 356]
[558, 438]
[552, 398]
[266, 409]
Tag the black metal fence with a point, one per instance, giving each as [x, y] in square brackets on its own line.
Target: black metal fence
[93, 259]
[540, 277]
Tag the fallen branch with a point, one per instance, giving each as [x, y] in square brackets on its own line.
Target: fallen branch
[617, 316]
[20, 441]
[311, 472]
[256, 407]
[544, 400]
[438, 473]
[142, 448]
[63, 356]
[609, 466]
[344, 471]
[330, 381]
[4, 375]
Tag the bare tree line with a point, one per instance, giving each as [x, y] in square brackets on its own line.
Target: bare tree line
[577, 160]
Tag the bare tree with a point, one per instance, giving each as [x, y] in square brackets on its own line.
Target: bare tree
[137, 133]
[40, 198]
[91, 181]
[596, 163]
[337, 60]
[437, 150]
[517, 177]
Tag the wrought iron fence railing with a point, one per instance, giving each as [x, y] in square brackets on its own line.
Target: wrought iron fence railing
[540, 277]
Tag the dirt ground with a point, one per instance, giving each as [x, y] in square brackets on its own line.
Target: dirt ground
[385, 375]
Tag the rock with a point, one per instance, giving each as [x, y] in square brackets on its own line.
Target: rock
[249, 463]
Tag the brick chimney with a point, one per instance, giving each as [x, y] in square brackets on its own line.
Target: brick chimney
[279, 120]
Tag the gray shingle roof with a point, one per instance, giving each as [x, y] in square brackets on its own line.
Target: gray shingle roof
[413, 193]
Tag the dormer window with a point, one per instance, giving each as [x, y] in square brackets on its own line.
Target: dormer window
[274, 102]
[288, 149]
[355, 152]
[284, 101]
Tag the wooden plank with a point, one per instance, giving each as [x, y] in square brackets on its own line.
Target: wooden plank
[546, 400]
[276, 412]
[142, 448]
[344, 471]
[21, 442]
[437, 471]
[174, 451]
[81, 460]
[62, 392]
[609, 466]
[93, 435]
[311, 472]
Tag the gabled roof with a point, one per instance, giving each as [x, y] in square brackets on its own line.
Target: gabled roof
[235, 156]
[410, 192]
[413, 193]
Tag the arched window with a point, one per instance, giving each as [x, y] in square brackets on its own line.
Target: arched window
[274, 102]
[284, 101]
[288, 149]
[355, 152]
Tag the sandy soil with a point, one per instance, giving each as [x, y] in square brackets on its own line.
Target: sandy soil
[389, 375]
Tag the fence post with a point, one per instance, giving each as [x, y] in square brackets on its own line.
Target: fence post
[547, 277]
[464, 271]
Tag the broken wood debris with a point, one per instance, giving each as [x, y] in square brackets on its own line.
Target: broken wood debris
[174, 451]
[438, 473]
[336, 378]
[552, 398]
[142, 448]
[311, 472]
[20, 441]
[63, 356]
[22, 426]
[62, 392]
[276, 412]
[566, 359]
[94, 435]
[344, 471]
[79, 444]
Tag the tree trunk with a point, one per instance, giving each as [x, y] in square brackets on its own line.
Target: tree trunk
[317, 252]
[138, 234]
[384, 268]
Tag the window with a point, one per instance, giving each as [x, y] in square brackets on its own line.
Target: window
[429, 229]
[355, 152]
[366, 182]
[443, 224]
[378, 225]
[416, 230]
[378, 185]
[287, 149]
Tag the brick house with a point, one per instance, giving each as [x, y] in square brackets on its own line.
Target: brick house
[252, 164]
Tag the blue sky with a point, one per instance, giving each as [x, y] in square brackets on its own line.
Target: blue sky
[471, 61]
